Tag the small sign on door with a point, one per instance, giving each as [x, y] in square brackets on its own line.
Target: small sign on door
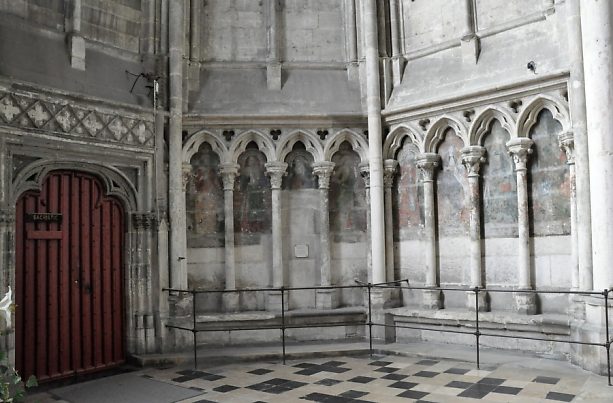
[44, 217]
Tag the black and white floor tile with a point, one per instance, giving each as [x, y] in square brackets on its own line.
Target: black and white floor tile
[362, 379]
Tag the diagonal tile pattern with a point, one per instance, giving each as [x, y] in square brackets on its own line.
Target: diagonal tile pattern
[361, 379]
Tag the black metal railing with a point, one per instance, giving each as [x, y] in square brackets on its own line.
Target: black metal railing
[397, 285]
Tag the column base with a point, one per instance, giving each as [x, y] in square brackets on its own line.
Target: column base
[431, 299]
[180, 305]
[273, 301]
[483, 305]
[326, 299]
[525, 302]
[353, 71]
[397, 69]
[229, 301]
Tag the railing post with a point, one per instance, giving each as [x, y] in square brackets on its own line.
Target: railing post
[608, 342]
[477, 332]
[283, 320]
[194, 329]
[369, 320]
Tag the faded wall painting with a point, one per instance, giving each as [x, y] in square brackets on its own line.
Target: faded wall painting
[407, 196]
[549, 183]
[252, 203]
[347, 196]
[452, 188]
[204, 201]
[499, 186]
[299, 169]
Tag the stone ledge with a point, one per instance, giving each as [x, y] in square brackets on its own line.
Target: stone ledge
[552, 324]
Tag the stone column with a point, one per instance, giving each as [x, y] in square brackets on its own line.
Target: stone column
[472, 158]
[520, 148]
[375, 143]
[470, 42]
[176, 191]
[390, 167]
[194, 30]
[228, 174]
[273, 66]
[76, 43]
[596, 25]
[276, 171]
[427, 163]
[352, 40]
[397, 57]
[325, 299]
[567, 144]
[576, 101]
[365, 173]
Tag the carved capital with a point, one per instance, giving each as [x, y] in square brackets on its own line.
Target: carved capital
[276, 171]
[186, 170]
[520, 148]
[143, 221]
[427, 163]
[229, 172]
[389, 172]
[365, 173]
[472, 157]
[566, 140]
[323, 170]
[7, 216]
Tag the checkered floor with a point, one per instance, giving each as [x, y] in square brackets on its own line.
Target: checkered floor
[382, 379]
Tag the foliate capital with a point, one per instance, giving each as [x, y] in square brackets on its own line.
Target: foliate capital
[472, 158]
[186, 170]
[566, 141]
[520, 148]
[365, 173]
[228, 172]
[323, 170]
[427, 163]
[276, 171]
[389, 172]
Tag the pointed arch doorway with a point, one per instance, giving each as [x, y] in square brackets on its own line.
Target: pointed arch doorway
[69, 239]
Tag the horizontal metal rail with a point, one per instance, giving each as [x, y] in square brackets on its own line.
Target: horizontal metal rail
[398, 285]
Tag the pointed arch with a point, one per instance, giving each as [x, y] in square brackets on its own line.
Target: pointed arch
[529, 114]
[310, 141]
[114, 181]
[482, 124]
[193, 143]
[264, 143]
[358, 143]
[436, 132]
[396, 138]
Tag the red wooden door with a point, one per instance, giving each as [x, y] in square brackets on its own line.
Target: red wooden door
[69, 294]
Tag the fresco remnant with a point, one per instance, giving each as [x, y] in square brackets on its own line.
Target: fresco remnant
[204, 200]
[299, 170]
[347, 194]
[499, 186]
[252, 203]
[407, 197]
[452, 188]
[549, 181]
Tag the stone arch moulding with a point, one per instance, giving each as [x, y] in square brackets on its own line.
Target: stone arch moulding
[239, 145]
[529, 114]
[481, 125]
[436, 132]
[310, 141]
[193, 143]
[396, 139]
[358, 144]
[115, 182]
